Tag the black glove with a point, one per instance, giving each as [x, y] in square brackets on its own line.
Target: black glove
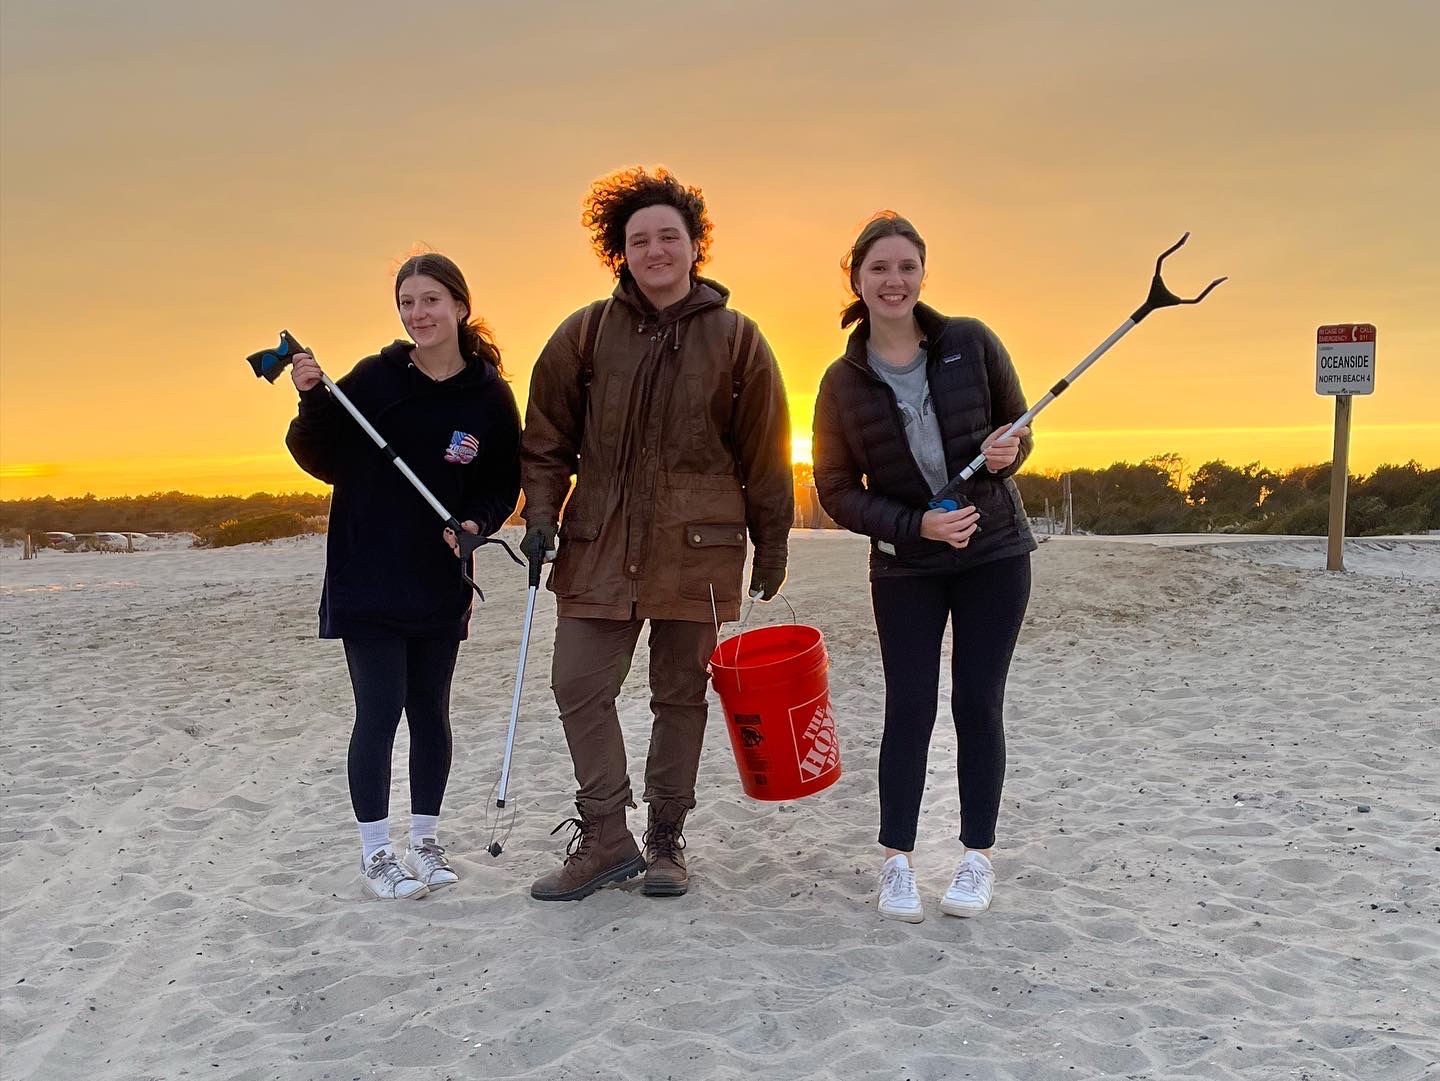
[766, 581]
[539, 543]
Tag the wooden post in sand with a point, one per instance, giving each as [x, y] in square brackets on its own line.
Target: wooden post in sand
[1069, 507]
[1344, 366]
[1339, 484]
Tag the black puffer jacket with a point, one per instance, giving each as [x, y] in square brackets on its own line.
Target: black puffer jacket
[388, 570]
[868, 480]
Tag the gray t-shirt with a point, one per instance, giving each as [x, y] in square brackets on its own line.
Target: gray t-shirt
[922, 428]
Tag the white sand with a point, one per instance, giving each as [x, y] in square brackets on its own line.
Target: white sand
[1188, 885]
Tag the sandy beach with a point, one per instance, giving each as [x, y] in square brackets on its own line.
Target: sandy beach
[1218, 858]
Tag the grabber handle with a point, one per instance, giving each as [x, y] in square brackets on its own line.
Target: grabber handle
[954, 501]
[269, 363]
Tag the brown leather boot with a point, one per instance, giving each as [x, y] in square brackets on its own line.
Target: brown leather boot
[601, 851]
[665, 873]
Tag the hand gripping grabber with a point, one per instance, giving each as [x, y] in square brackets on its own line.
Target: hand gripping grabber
[270, 363]
[952, 496]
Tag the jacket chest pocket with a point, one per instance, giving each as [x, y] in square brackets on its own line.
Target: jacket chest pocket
[697, 416]
[608, 414]
[713, 556]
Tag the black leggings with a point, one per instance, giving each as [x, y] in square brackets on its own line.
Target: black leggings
[388, 675]
[985, 606]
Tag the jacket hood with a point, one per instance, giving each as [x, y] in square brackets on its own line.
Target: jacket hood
[703, 295]
[475, 372]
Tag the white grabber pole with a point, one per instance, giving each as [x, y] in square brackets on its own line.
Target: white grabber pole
[951, 497]
[269, 363]
[496, 847]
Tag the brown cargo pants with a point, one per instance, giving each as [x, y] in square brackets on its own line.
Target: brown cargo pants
[592, 659]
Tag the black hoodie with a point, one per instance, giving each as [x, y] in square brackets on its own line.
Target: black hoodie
[388, 570]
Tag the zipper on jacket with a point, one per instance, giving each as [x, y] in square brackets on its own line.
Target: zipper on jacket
[899, 419]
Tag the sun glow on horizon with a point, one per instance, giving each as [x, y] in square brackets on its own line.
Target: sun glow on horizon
[1039, 218]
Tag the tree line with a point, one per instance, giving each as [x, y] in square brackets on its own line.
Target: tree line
[161, 512]
[1158, 495]
[1162, 495]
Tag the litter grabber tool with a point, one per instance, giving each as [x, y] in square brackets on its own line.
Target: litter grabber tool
[497, 844]
[270, 363]
[952, 496]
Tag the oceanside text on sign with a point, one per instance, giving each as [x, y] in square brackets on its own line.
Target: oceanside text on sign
[1345, 359]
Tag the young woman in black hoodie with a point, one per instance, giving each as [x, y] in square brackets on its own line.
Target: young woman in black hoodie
[916, 396]
[393, 592]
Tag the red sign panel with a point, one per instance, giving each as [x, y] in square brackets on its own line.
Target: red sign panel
[1345, 332]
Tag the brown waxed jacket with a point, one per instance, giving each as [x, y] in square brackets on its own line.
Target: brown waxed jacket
[680, 446]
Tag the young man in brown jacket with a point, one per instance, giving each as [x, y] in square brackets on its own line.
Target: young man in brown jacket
[668, 409]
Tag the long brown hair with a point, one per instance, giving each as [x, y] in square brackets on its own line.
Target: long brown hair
[476, 338]
[883, 224]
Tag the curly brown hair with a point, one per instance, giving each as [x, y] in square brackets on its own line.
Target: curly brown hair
[614, 199]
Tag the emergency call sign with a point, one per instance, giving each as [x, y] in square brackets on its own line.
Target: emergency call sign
[1345, 359]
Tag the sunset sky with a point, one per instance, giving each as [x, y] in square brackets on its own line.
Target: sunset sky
[178, 181]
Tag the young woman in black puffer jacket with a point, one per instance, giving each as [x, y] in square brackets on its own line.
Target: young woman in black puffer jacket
[915, 397]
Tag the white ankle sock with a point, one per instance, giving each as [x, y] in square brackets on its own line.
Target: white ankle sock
[373, 836]
[422, 826]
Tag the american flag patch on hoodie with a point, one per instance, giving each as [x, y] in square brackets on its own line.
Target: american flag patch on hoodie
[463, 448]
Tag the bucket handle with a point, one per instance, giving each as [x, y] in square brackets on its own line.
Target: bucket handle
[749, 608]
[715, 613]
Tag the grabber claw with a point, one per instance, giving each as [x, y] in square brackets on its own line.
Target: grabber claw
[952, 496]
[1160, 296]
[470, 543]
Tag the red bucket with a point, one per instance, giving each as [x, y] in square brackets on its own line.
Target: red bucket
[773, 687]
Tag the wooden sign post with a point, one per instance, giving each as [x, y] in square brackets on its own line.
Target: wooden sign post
[1344, 366]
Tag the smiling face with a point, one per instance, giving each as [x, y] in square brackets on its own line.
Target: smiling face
[432, 317]
[660, 254]
[889, 278]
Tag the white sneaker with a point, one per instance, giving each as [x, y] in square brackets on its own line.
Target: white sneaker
[427, 862]
[969, 892]
[389, 879]
[899, 899]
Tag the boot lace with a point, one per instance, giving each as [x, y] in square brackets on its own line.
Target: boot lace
[580, 839]
[665, 839]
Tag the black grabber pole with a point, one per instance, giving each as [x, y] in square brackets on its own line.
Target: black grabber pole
[951, 497]
[269, 363]
[496, 846]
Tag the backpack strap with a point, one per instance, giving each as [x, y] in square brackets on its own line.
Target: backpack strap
[587, 342]
[739, 360]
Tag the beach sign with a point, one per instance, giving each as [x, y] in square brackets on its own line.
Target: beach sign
[1344, 367]
[1345, 359]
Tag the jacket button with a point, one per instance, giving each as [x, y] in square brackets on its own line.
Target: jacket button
[634, 569]
[696, 538]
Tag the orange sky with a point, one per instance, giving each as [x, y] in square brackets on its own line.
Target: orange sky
[179, 181]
